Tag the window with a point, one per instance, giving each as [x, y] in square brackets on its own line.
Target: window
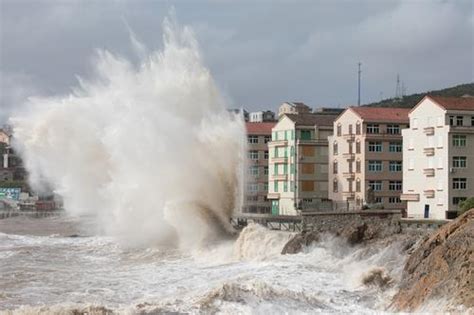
[472, 120]
[267, 139]
[459, 140]
[372, 128]
[265, 170]
[459, 161]
[334, 186]
[394, 200]
[275, 136]
[376, 185]
[275, 152]
[265, 188]
[375, 146]
[378, 200]
[265, 155]
[459, 121]
[350, 129]
[459, 183]
[395, 185]
[305, 134]
[451, 120]
[358, 185]
[335, 148]
[358, 166]
[395, 147]
[285, 186]
[334, 167]
[358, 147]
[458, 200]
[395, 166]
[253, 155]
[285, 169]
[275, 186]
[375, 166]
[339, 128]
[275, 169]
[252, 198]
[252, 187]
[253, 170]
[393, 129]
[358, 128]
[252, 139]
[455, 120]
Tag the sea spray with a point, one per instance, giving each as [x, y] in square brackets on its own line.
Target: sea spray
[149, 148]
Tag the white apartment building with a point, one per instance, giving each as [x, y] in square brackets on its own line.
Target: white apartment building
[293, 108]
[298, 162]
[365, 157]
[438, 155]
[262, 116]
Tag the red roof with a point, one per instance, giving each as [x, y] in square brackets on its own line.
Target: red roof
[454, 103]
[386, 114]
[259, 128]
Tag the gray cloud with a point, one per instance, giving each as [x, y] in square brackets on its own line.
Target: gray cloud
[261, 53]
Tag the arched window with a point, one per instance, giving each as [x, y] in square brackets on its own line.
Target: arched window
[358, 128]
[335, 148]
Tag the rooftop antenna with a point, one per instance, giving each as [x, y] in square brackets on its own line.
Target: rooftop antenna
[358, 73]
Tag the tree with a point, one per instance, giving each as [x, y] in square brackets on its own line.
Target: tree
[466, 205]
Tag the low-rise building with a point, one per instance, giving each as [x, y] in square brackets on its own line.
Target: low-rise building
[293, 108]
[258, 136]
[262, 116]
[438, 152]
[365, 157]
[299, 162]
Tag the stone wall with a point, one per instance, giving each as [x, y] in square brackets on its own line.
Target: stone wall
[368, 224]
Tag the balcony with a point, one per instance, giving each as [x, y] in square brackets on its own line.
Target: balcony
[349, 175]
[429, 131]
[311, 142]
[273, 196]
[278, 143]
[349, 136]
[279, 177]
[348, 156]
[429, 193]
[348, 194]
[282, 159]
[429, 151]
[410, 197]
[429, 172]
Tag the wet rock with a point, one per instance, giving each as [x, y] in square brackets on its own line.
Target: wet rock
[441, 268]
[299, 241]
[354, 234]
[377, 277]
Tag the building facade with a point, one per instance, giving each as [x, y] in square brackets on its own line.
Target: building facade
[258, 137]
[262, 116]
[438, 151]
[298, 162]
[365, 157]
[293, 108]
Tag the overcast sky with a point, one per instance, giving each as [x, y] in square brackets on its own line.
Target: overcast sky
[261, 53]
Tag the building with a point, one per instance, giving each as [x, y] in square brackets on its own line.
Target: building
[365, 157]
[293, 108]
[4, 137]
[438, 150]
[262, 116]
[299, 162]
[258, 136]
[241, 112]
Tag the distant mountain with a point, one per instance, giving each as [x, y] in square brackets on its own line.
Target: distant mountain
[413, 99]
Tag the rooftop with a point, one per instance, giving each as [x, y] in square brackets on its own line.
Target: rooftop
[259, 128]
[310, 119]
[454, 103]
[389, 114]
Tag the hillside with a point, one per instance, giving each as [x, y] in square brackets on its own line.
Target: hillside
[413, 99]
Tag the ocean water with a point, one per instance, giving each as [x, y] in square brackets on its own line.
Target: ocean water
[60, 266]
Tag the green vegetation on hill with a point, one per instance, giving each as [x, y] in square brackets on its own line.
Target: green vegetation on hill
[410, 101]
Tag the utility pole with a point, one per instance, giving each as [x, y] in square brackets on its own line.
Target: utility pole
[359, 72]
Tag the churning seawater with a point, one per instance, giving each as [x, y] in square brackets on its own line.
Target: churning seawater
[57, 266]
